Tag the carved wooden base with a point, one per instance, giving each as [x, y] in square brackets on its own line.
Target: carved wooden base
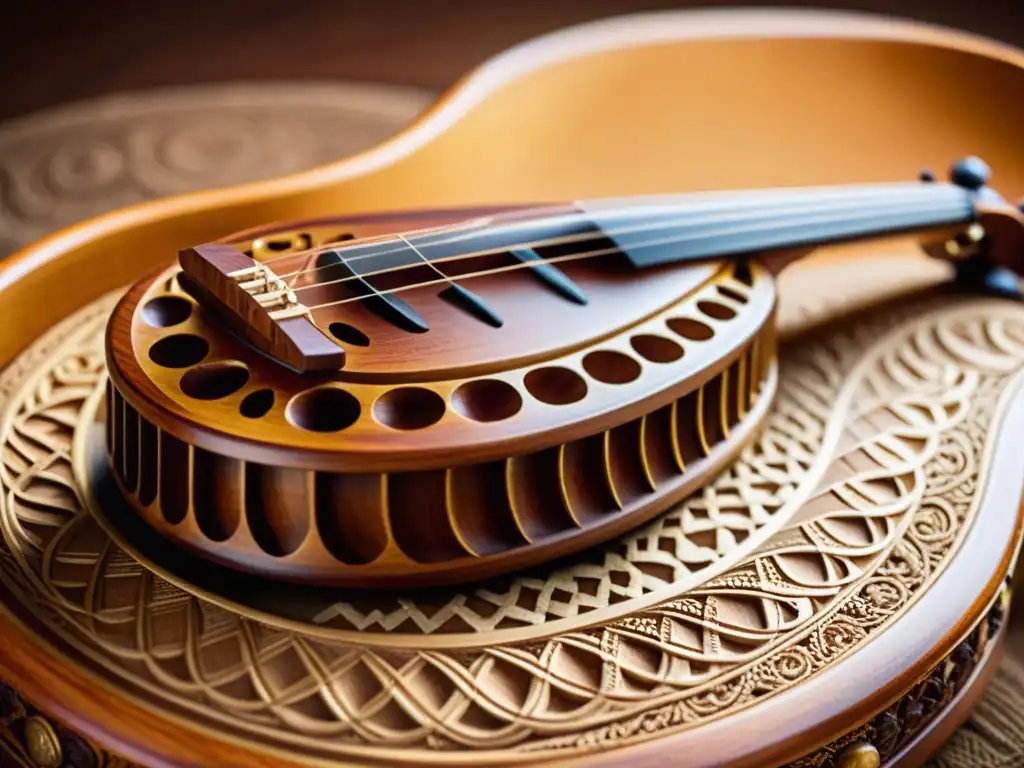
[813, 599]
[905, 733]
[908, 731]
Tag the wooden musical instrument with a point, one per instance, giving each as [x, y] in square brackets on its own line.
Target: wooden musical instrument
[412, 399]
[710, 529]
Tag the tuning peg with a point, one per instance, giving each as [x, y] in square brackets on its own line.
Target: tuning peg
[970, 173]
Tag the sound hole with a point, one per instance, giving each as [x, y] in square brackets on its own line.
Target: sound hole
[556, 386]
[487, 400]
[263, 248]
[165, 311]
[324, 409]
[716, 310]
[409, 408]
[657, 349]
[179, 351]
[611, 367]
[256, 404]
[348, 335]
[729, 293]
[691, 329]
[214, 380]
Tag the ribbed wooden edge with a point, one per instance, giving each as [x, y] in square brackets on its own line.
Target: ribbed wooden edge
[439, 525]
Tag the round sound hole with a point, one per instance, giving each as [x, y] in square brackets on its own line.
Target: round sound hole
[555, 385]
[324, 409]
[657, 349]
[716, 310]
[257, 404]
[729, 293]
[165, 311]
[182, 350]
[611, 367]
[487, 400]
[214, 380]
[409, 408]
[347, 334]
[691, 329]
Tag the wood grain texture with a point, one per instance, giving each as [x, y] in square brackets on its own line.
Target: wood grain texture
[427, 441]
[293, 340]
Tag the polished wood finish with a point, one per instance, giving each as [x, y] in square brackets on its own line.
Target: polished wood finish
[466, 446]
[339, 280]
[149, 614]
[372, 478]
[255, 303]
[775, 82]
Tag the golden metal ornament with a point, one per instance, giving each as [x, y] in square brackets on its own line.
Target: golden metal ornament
[860, 755]
[42, 743]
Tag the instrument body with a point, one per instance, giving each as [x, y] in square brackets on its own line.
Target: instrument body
[410, 467]
[774, 81]
[513, 385]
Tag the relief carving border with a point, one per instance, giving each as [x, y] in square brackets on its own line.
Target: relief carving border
[939, 432]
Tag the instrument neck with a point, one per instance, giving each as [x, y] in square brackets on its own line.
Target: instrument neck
[665, 229]
[661, 230]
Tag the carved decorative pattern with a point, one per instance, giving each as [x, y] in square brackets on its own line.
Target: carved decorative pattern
[674, 551]
[73, 162]
[897, 494]
[898, 725]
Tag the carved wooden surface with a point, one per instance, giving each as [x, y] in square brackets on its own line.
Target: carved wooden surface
[849, 506]
[68, 163]
[449, 501]
[869, 532]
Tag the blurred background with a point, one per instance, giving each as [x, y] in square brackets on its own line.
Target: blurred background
[58, 51]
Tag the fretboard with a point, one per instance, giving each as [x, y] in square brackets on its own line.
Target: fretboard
[661, 230]
[657, 230]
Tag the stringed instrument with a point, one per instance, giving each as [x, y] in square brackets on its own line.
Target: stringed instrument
[414, 399]
[407, 460]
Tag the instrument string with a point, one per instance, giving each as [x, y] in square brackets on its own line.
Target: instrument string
[670, 240]
[784, 200]
[424, 259]
[460, 278]
[369, 240]
[839, 217]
